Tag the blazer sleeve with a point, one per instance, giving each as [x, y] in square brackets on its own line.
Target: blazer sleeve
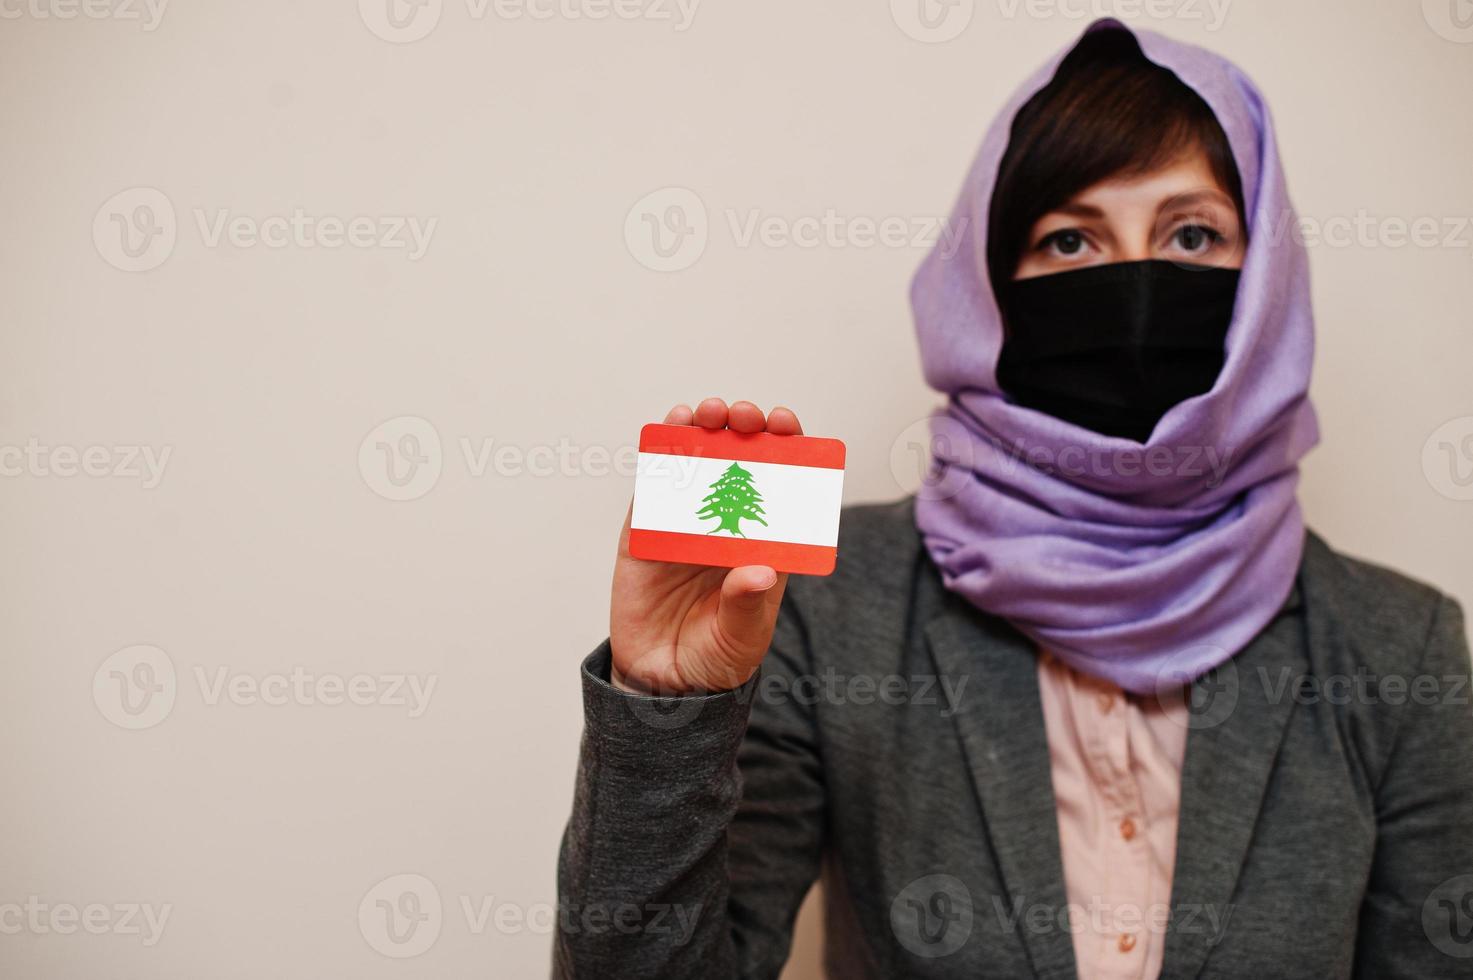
[697, 825]
[1417, 915]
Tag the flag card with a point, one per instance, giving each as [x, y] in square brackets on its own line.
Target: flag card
[718, 497]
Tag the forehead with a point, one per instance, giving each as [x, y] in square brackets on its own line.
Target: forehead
[1188, 173]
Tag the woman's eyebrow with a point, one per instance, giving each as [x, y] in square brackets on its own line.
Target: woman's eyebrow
[1078, 210]
[1207, 194]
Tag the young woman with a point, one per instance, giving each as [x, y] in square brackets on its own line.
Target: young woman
[1095, 703]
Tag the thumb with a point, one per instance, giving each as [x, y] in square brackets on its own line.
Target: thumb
[747, 609]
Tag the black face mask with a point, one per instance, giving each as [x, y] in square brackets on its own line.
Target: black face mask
[1112, 347]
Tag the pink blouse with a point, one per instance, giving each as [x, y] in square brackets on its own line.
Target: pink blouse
[1116, 761]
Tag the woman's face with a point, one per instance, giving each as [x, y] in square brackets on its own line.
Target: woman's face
[1179, 213]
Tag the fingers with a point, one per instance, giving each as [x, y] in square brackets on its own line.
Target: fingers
[711, 413]
[746, 611]
[741, 416]
[745, 417]
[783, 422]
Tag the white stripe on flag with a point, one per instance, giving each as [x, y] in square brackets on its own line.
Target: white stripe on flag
[800, 503]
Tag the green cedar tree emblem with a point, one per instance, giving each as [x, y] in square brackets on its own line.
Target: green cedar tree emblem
[733, 499]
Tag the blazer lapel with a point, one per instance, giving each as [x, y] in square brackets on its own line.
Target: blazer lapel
[1006, 748]
[1239, 712]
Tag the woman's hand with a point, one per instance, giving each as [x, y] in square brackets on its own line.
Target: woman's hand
[678, 629]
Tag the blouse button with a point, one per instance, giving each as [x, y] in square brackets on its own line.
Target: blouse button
[1127, 828]
[1127, 942]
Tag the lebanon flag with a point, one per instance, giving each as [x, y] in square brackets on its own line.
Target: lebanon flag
[718, 497]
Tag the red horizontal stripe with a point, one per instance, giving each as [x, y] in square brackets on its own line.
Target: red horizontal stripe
[751, 447]
[710, 549]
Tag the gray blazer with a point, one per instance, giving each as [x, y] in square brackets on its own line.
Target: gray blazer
[894, 743]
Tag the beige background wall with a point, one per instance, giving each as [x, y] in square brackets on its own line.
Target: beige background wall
[534, 322]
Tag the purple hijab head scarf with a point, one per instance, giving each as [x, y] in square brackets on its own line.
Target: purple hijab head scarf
[1143, 565]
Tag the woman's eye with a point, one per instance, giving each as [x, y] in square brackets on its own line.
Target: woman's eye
[1196, 238]
[1065, 242]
